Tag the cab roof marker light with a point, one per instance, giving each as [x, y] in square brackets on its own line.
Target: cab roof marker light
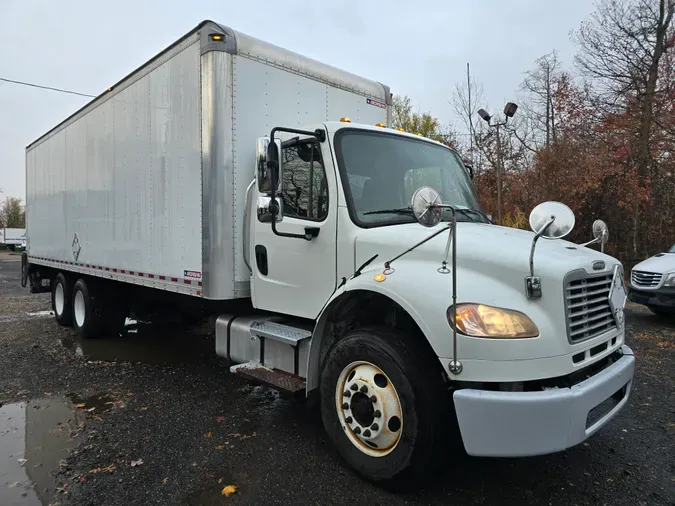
[345, 120]
[381, 125]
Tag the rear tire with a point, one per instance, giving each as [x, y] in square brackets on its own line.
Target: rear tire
[408, 417]
[62, 291]
[88, 318]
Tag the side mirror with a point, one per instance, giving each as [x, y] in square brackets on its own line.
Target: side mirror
[552, 220]
[267, 212]
[264, 174]
[469, 166]
[600, 231]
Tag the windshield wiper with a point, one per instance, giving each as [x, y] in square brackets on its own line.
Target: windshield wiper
[469, 212]
[400, 210]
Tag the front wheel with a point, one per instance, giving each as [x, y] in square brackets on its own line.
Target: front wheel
[383, 406]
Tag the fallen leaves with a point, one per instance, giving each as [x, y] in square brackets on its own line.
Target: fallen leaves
[107, 469]
[243, 436]
[80, 405]
[220, 447]
[164, 481]
[658, 338]
[208, 435]
[138, 462]
[228, 490]
[220, 419]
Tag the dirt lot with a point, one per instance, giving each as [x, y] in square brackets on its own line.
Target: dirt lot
[156, 418]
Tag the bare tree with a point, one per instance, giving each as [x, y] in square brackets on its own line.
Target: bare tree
[621, 48]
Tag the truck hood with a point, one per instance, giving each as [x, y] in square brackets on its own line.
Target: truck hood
[481, 247]
[661, 263]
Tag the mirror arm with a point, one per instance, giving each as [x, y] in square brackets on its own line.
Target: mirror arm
[387, 264]
[274, 172]
[592, 241]
[532, 282]
[534, 243]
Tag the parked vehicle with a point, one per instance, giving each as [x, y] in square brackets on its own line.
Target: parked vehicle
[652, 283]
[13, 238]
[346, 260]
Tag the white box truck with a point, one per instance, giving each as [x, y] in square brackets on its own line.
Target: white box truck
[13, 238]
[342, 258]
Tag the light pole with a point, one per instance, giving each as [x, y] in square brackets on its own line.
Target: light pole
[509, 110]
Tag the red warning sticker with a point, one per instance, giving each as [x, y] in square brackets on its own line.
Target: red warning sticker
[192, 274]
[376, 103]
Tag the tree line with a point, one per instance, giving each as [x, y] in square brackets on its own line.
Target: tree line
[597, 134]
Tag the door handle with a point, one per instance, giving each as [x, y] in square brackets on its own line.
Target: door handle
[311, 232]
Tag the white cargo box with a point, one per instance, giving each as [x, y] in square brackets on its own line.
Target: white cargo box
[146, 183]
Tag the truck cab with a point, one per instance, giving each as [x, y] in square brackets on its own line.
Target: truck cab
[409, 312]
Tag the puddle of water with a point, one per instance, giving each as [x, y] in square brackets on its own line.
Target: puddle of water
[148, 344]
[34, 437]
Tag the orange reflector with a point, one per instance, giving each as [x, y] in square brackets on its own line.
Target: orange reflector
[345, 120]
[216, 36]
[380, 277]
[199, 292]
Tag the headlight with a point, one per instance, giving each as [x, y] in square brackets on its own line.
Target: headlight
[670, 279]
[479, 320]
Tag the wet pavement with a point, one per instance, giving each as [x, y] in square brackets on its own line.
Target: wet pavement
[154, 417]
[35, 438]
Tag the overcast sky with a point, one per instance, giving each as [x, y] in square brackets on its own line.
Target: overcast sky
[419, 48]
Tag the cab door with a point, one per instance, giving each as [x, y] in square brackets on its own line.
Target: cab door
[296, 275]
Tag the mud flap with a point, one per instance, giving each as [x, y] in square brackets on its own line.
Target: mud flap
[24, 269]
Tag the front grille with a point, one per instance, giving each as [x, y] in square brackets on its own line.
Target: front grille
[587, 305]
[645, 279]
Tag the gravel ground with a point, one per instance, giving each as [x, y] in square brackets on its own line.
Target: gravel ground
[156, 418]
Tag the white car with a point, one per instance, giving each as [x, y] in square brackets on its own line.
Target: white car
[652, 283]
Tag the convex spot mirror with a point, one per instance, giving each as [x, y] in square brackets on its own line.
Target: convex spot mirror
[422, 204]
[264, 153]
[601, 231]
[563, 219]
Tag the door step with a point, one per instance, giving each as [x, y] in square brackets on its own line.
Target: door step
[279, 332]
[273, 378]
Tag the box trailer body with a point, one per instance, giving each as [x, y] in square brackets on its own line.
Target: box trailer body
[146, 183]
[345, 259]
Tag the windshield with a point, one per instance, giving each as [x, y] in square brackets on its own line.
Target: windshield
[381, 171]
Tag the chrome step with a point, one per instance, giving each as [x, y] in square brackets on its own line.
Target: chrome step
[279, 332]
[273, 378]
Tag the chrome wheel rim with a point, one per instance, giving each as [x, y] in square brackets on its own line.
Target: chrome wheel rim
[369, 408]
[59, 299]
[79, 308]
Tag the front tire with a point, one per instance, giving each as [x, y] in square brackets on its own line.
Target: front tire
[61, 300]
[384, 407]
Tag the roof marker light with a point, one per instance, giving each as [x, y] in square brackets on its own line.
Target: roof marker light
[345, 120]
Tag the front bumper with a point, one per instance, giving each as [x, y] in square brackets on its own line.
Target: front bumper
[663, 297]
[519, 424]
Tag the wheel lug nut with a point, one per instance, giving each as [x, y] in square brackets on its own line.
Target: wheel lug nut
[357, 430]
[375, 426]
[377, 414]
[349, 420]
[373, 399]
[364, 389]
[347, 393]
[366, 433]
[345, 405]
[354, 387]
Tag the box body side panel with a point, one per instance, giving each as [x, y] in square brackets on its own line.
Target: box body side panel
[120, 186]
